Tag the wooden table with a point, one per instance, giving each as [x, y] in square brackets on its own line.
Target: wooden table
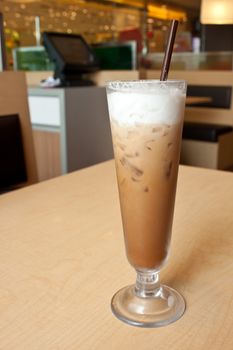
[193, 100]
[62, 258]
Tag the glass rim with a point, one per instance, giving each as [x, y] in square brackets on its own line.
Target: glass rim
[127, 85]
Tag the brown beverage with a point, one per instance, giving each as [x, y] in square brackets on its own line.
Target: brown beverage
[146, 160]
[147, 148]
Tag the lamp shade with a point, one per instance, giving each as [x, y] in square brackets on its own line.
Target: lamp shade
[217, 11]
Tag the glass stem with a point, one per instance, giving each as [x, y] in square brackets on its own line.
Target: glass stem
[147, 284]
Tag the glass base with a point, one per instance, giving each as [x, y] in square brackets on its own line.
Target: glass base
[165, 306]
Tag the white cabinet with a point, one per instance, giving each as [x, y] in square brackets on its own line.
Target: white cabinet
[45, 110]
[71, 124]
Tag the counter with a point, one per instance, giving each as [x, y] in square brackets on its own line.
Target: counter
[70, 127]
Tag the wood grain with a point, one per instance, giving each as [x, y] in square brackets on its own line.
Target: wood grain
[100, 78]
[192, 100]
[48, 157]
[35, 78]
[62, 258]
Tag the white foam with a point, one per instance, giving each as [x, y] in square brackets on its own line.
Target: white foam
[129, 108]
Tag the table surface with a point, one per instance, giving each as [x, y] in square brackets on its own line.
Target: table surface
[62, 258]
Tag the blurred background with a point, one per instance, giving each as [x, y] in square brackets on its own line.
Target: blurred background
[101, 21]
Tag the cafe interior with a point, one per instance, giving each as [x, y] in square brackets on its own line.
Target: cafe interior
[60, 216]
[128, 39]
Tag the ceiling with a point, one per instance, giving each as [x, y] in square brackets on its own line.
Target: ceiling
[195, 4]
[75, 16]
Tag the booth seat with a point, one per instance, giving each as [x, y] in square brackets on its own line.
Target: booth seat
[208, 136]
[207, 145]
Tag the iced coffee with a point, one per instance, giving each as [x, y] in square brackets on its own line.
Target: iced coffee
[146, 122]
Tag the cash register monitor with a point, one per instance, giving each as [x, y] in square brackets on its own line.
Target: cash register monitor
[72, 56]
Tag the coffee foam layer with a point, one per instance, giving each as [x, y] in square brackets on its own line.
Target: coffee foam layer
[146, 108]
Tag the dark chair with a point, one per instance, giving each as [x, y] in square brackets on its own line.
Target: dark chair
[13, 171]
[17, 157]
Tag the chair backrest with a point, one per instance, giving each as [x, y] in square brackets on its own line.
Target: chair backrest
[14, 113]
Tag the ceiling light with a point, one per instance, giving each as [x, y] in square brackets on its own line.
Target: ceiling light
[217, 12]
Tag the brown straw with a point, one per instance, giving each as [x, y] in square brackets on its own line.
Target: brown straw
[169, 49]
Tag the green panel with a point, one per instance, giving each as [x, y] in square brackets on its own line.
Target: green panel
[114, 57]
[32, 59]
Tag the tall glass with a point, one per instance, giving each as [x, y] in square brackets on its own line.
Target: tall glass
[146, 122]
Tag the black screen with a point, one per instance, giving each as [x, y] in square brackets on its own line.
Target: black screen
[72, 56]
[73, 49]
